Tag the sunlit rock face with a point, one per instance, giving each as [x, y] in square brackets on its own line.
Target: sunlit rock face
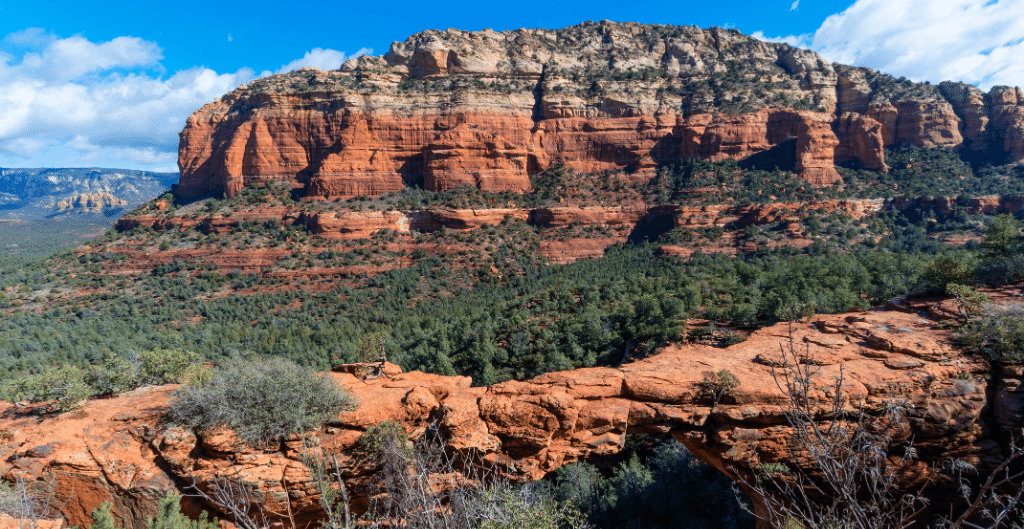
[118, 449]
[450, 108]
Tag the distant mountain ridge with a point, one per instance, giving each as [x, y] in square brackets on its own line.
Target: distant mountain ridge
[36, 193]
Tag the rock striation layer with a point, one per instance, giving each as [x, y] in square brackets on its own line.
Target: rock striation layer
[117, 448]
[450, 108]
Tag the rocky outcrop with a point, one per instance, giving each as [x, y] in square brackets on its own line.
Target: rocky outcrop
[117, 448]
[42, 192]
[864, 141]
[739, 136]
[875, 111]
[992, 123]
[353, 224]
[488, 109]
[90, 203]
[565, 233]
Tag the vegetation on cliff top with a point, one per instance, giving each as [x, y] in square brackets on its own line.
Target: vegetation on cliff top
[530, 319]
[489, 306]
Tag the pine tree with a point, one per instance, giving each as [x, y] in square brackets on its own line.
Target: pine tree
[169, 515]
[102, 518]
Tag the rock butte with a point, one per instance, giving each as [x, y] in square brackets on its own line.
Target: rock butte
[450, 108]
[116, 449]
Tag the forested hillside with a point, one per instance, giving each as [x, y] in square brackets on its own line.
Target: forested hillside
[482, 301]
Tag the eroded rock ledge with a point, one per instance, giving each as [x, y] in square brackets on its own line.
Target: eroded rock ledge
[116, 449]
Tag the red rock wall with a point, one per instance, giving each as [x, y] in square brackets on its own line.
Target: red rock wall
[350, 155]
[447, 109]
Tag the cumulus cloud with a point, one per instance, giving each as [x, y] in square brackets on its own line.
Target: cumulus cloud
[72, 102]
[320, 58]
[799, 41]
[973, 41]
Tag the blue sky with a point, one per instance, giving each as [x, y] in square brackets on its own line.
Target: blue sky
[110, 84]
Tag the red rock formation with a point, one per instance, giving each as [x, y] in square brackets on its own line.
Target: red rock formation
[738, 136]
[1008, 119]
[116, 449]
[947, 115]
[969, 103]
[864, 141]
[469, 156]
[927, 124]
[815, 147]
[356, 164]
[589, 145]
[347, 224]
[487, 109]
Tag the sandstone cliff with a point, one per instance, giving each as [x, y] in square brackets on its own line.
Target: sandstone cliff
[90, 203]
[449, 108]
[117, 448]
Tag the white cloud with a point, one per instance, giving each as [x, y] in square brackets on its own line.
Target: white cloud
[974, 41]
[26, 147]
[795, 5]
[74, 102]
[69, 102]
[799, 41]
[323, 59]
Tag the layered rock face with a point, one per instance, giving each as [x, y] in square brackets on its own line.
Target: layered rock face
[876, 111]
[116, 449]
[90, 203]
[488, 109]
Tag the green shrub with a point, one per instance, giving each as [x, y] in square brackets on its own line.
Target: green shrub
[719, 385]
[102, 518]
[115, 375]
[969, 301]
[732, 338]
[1002, 256]
[261, 399]
[63, 385]
[950, 268]
[1002, 237]
[523, 508]
[165, 366]
[669, 489]
[998, 337]
[384, 436]
[69, 385]
[169, 515]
